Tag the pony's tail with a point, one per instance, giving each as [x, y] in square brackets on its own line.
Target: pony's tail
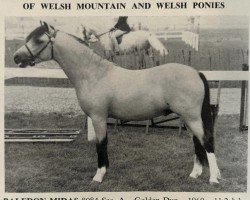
[206, 113]
[157, 45]
[208, 126]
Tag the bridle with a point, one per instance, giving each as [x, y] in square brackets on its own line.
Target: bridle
[51, 40]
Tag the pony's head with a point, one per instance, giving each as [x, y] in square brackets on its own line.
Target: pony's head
[38, 46]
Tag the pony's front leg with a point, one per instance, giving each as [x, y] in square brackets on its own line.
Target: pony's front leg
[100, 126]
[91, 130]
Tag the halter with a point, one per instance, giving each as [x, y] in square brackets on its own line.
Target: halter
[51, 40]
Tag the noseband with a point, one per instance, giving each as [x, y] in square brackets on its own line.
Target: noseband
[51, 40]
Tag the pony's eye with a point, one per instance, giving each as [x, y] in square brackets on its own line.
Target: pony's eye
[41, 39]
[38, 40]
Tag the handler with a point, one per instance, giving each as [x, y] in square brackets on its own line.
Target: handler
[120, 28]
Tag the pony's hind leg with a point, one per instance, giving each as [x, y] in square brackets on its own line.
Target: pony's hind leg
[197, 169]
[204, 150]
[199, 158]
[200, 154]
[100, 127]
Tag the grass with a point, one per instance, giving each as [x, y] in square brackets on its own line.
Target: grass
[158, 161]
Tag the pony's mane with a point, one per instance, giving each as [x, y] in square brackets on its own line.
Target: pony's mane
[78, 39]
[91, 51]
[36, 33]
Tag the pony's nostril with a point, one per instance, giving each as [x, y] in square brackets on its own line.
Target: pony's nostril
[17, 59]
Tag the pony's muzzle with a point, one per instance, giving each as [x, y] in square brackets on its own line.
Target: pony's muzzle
[17, 59]
[22, 59]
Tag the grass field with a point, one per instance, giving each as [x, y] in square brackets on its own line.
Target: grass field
[158, 161]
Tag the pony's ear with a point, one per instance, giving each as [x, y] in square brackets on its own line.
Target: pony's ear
[49, 29]
[46, 26]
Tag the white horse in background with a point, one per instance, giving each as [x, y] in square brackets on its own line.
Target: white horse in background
[134, 41]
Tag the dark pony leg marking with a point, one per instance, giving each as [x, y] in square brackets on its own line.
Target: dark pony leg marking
[102, 153]
[200, 151]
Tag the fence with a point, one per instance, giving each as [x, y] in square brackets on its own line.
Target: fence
[190, 38]
[204, 60]
[207, 58]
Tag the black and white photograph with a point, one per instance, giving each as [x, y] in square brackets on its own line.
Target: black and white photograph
[126, 103]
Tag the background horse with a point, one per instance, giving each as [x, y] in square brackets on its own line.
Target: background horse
[106, 90]
[134, 41]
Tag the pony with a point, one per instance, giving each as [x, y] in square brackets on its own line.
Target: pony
[106, 90]
[134, 41]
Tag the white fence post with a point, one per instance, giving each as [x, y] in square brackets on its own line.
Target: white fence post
[197, 42]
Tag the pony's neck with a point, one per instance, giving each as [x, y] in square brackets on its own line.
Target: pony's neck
[78, 61]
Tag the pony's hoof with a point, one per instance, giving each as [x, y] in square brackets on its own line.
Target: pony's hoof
[100, 174]
[213, 181]
[97, 179]
[218, 175]
[194, 175]
[196, 172]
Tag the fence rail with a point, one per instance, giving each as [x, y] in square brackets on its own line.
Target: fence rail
[58, 73]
